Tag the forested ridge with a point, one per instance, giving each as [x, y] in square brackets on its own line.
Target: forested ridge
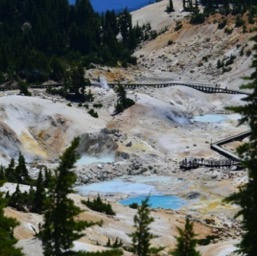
[39, 39]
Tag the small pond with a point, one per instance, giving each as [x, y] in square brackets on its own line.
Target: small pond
[215, 118]
[157, 201]
[87, 159]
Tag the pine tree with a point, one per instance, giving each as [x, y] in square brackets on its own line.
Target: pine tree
[142, 236]
[246, 197]
[7, 225]
[170, 7]
[60, 228]
[122, 102]
[186, 241]
[22, 174]
[2, 173]
[125, 23]
[10, 173]
[39, 197]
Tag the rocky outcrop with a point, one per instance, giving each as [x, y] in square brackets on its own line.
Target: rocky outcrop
[97, 143]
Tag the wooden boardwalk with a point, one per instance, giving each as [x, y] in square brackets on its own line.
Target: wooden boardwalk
[206, 88]
[194, 163]
[217, 145]
[233, 159]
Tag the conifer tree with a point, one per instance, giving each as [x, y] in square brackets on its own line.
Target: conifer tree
[2, 173]
[170, 7]
[39, 197]
[60, 228]
[122, 102]
[246, 197]
[21, 170]
[7, 225]
[186, 241]
[142, 235]
[10, 173]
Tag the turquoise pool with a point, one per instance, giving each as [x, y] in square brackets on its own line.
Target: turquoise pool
[158, 201]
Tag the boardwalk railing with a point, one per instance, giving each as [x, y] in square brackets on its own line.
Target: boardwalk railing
[188, 164]
[206, 88]
[217, 145]
[233, 159]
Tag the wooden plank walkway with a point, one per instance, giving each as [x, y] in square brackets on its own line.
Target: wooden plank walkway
[206, 88]
[217, 145]
[233, 159]
[194, 163]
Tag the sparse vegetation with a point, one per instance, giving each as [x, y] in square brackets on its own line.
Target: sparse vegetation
[170, 42]
[220, 64]
[97, 105]
[122, 102]
[226, 69]
[134, 205]
[93, 113]
[178, 25]
[115, 252]
[222, 24]
[99, 205]
[239, 22]
[229, 30]
[24, 89]
[116, 244]
[230, 61]
[248, 52]
[197, 18]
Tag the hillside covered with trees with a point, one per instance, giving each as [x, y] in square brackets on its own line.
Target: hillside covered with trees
[40, 39]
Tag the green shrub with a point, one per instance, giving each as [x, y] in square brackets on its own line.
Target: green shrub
[93, 113]
[24, 89]
[197, 18]
[98, 205]
[230, 61]
[239, 22]
[248, 52]
[226, 69]
[103, 253]
[133, 205]
[170, 42]
[220, 64]
[228, 31]
[207, 240]
[97, 105]
[222, 24]
[116, 244]
[122, 102]
[179, 25]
